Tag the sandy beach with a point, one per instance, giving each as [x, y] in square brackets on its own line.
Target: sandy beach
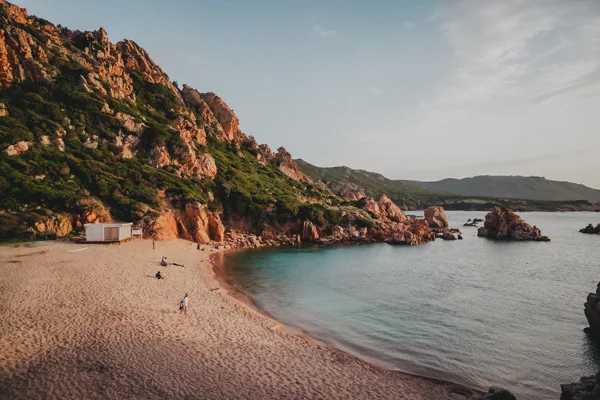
[91, 321]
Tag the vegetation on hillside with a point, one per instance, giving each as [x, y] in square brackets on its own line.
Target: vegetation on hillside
[519, 187]
[411, 197]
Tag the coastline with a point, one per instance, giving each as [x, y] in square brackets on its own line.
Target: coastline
[92, 321]
[237, 294]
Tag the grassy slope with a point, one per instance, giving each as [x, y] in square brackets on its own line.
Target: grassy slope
[44, 180]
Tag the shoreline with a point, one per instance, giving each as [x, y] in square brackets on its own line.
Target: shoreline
[95, 323]
[236, 293]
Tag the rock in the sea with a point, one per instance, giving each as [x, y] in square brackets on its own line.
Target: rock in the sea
[588, 388]
[592, 311]
[496, 393]
[447, 235]
[436, 217]
[591, 230]
[503, 223]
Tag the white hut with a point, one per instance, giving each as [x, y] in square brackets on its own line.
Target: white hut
[108, 232]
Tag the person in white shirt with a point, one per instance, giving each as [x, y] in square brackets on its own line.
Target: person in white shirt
[183, 306]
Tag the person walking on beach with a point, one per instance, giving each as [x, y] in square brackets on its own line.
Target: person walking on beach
[183, 306]
[152, 244]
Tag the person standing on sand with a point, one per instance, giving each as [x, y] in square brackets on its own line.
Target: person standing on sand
[152, 244]
[183, 306]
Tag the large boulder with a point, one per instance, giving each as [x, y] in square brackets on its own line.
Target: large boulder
[310, 232]
[203, 225]
[391, 210]
[447, 235]
[503, 223]
[58, 225]
[436, 217]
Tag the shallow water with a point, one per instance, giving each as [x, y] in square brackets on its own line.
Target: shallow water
[476, 311]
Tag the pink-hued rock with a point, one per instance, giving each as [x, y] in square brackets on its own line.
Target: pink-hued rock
[436, 217]
[225, 115]
[503, 223]
[309, 232]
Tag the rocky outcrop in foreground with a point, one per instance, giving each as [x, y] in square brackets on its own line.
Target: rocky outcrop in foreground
[591, 230]
[588, 388]
[592, 311]
[503, 223]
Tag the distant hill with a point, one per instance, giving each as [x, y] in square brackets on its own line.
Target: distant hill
[351, 184]
[518, 187]
[373, 183]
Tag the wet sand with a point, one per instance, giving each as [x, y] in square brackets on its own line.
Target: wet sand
[95, 323]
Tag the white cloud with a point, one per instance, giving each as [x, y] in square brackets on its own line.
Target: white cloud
[534, 49]
[324, 33]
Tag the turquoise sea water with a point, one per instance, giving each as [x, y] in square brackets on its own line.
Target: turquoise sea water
[476, 311]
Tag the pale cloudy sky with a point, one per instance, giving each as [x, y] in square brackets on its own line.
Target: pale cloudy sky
[416, 90]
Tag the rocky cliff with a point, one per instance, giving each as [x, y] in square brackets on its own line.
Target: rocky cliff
[92, 130]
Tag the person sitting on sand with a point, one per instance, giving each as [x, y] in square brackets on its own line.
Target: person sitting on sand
[183, 306]
[160, 276]
[163, 262]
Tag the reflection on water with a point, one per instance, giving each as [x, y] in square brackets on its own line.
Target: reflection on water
[474, 311]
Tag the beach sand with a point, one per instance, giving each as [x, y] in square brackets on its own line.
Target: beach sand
[95, 323]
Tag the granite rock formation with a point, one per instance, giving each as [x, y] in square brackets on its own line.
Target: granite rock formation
[502, 223]
[96, 131]
[436, 217]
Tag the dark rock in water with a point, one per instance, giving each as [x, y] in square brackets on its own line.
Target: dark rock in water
[592, 311]
[496, 393]
[447, 235]
[472, 222]
[588, 388]
[591, 230]
[460, 236]
[503, 223]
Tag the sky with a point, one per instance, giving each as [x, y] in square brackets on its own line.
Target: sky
[413, 90]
